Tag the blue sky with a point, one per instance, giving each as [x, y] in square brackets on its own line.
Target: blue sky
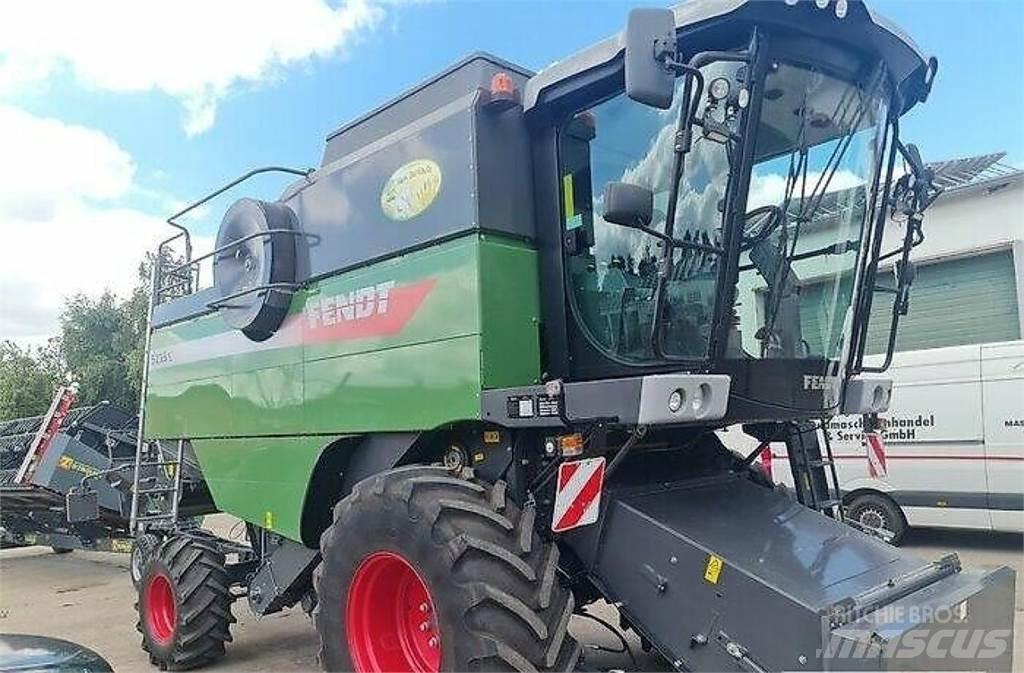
[152, 111]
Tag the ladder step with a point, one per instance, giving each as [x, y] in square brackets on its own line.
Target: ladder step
[824, 462]
[828, 504]
[156, 490]
[155, 517]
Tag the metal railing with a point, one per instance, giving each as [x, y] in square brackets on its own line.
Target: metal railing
[176, 277]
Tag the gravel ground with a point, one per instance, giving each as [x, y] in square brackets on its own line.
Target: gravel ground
[88, 598]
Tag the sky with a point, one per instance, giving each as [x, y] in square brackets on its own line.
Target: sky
[115, 113]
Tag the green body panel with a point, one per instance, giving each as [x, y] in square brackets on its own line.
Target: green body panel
[261, 479]
[510, 312]
[457, 317]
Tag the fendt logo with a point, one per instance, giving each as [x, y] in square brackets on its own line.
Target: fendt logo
[348, 306]
[378, 310]
[818, 382]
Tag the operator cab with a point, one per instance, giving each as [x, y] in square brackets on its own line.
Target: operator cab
[726, 218]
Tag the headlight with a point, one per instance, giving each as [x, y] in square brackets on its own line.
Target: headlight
[675, 401]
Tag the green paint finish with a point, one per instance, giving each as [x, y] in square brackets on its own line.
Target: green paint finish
[510, 313]
[199, 408]
[447, 310]
[411, 388]
[257, 479]
[424, 333]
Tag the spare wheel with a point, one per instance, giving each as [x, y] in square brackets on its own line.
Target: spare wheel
[251, 259]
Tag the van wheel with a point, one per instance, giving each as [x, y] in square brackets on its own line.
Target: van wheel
[426, 572]
[878, 511]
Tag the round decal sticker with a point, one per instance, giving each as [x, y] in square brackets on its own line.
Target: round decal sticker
[411, 189]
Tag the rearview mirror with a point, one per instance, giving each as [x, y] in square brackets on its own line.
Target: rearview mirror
[628, 205]
[650, 40]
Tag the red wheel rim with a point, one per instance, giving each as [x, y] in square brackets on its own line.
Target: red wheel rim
[390, 621]
[161, 612]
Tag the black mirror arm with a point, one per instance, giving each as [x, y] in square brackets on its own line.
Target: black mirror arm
[923, 191]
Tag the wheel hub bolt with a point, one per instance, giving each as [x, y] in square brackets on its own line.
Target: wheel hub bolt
[424, 607]
[432, 642]
[424, 626]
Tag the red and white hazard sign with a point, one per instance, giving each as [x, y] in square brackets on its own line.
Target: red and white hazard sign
[876, 454]
[766, 459]
[578, 495]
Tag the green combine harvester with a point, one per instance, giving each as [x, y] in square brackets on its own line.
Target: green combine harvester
[463, 379]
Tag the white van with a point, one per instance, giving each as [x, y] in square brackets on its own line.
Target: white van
[954, 444]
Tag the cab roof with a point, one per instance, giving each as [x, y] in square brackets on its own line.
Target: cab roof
[861, 30]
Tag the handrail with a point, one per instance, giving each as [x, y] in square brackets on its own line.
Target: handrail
[183, 231]
[243, 239]
[217, 192]
[287, 288]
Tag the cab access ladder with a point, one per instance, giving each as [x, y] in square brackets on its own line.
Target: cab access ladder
[814, 469]
[156, 485]
[156, 480]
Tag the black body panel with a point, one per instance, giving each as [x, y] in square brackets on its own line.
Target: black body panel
[714, 564]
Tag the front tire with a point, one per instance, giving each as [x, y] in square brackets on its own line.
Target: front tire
[426, 572]
[184, 605]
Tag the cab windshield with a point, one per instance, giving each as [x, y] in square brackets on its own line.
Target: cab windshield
[815, 155]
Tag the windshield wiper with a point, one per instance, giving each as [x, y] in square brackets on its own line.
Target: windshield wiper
[809, 204]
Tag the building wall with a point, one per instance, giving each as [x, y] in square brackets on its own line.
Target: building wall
[974, 221]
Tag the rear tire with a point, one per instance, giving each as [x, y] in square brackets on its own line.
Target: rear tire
[873, 510]
[144, 549]
[184, 605]
[473, 565]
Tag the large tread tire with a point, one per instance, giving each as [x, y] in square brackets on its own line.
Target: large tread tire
[500, 606]
[202, 600]
[144, 549]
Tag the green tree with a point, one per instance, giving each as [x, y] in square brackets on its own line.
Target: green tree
[28, 378]
[102, 343]
[101, 347]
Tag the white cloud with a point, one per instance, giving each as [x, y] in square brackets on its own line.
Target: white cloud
[62, 228]
[769, 189]
[43, 165]
[194, 50]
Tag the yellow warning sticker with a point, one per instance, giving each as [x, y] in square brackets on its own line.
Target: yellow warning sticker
[123, 546]
[492, 436]
[567, 196]
[713, 569]
[268, 520]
